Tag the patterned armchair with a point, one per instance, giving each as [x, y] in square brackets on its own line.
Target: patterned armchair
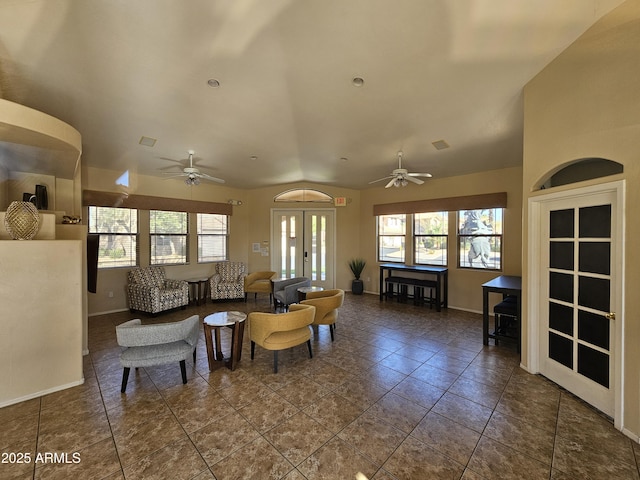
[150, 291]
[228, 281]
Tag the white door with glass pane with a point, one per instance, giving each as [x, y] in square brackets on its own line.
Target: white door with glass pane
[580, 295]
[303, 245]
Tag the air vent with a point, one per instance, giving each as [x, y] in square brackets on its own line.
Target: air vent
[147, 141]
[440, 144]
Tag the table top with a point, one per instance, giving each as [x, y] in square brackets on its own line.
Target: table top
[413, 268]
[196, 280]
[507, 282]
[310, 289]
[222, 319]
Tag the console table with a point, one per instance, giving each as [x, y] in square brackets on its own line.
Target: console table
[441, 274]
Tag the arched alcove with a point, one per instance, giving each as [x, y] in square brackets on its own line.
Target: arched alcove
[303, 195]
[579, 171]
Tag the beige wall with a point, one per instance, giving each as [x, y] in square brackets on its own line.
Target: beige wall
[465, 290]
[355, 228]
[586, 104]
[250, 223]
[113, 281]
[348, 229]
[42, 328]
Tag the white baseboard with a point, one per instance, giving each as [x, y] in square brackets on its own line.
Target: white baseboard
[631, 435]
[41, 393]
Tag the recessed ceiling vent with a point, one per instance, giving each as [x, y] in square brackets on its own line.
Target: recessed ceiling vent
[147, 141]
[440, 144]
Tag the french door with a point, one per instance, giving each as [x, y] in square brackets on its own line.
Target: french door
[580, 295]
[303, 245]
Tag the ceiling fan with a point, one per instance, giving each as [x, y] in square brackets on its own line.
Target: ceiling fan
[193, 174]
[400, 177]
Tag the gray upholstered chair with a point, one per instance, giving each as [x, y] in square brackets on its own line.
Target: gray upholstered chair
[227, 283]
[277, 331]
[327, 303]
[150, 291]
[285, 292]
[157, 344]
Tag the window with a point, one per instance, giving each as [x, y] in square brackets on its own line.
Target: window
[118, 230]
[391, 238]
[480, 238]
[430, 233]
[169, 233]
[213, 237]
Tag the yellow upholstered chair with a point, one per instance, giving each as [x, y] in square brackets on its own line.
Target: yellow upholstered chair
[258, 282]
[327, 303]
[277, 331]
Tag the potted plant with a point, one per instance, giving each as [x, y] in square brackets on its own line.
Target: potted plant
[357, 266]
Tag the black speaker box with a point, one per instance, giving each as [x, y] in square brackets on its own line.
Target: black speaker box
[42, 202]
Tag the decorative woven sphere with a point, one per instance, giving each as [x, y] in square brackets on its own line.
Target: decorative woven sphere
[22, 220]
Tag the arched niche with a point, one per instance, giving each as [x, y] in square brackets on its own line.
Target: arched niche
[306, 195]
[579, 171]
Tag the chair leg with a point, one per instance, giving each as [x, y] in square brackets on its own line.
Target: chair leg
[309, 346]
[245, 297]
[331, 331]
[253, 348]
[125, 378]
[275, 361]
[194, 356]
[183, 370]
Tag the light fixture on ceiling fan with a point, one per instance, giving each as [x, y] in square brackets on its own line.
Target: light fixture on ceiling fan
[400, 177]
[193, 174]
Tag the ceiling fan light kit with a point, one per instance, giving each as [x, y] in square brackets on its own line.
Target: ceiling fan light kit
[400, 177]
[193, 174]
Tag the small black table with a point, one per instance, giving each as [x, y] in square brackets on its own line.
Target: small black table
[441, 274]
[505, 285]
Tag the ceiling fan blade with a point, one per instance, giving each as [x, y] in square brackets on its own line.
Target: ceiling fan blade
[180, 162]
[173, 175]
[170, 167]
[427, 175]
[209, 177]
[381, 179]
[414, 180]
[391, 182]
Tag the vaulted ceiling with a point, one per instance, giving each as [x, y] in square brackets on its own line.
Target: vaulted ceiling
[287, 106]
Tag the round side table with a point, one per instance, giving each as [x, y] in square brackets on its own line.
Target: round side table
[233, 320]
[302, 292]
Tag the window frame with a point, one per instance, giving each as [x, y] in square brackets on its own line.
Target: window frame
[184, 258]
[380, 237]
[200, 236]
[416, 237]
[134, 237]
[497, 237]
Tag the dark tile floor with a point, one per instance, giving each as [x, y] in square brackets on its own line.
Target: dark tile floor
[404, 392]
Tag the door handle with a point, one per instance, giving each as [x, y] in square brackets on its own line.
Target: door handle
[306, 257]
[611, 315]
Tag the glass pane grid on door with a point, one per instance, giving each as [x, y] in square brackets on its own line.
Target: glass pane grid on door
[579, 270]
[305, 245]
